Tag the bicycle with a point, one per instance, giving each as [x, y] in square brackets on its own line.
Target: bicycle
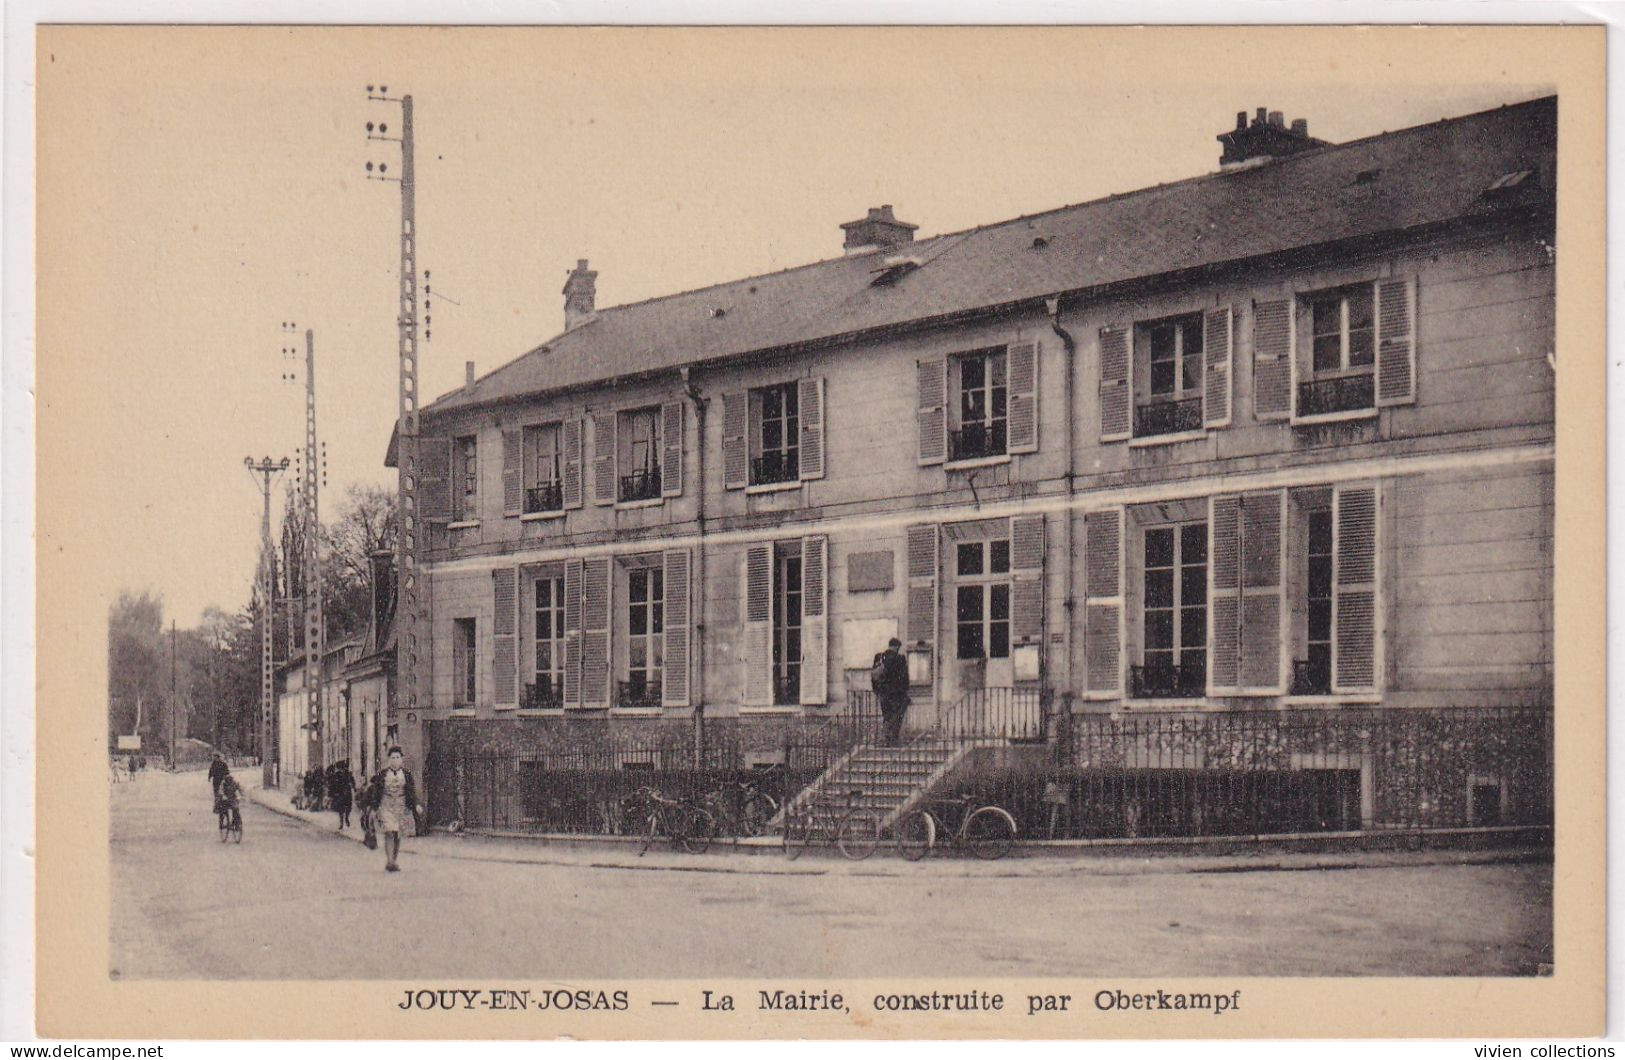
[855, 831]
[684, 823]
[231, 820]
[742, 807]
[987, 830]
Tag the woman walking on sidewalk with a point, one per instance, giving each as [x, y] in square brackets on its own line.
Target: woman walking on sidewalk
[394, 799]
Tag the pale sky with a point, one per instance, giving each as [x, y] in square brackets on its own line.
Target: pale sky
[198, 187]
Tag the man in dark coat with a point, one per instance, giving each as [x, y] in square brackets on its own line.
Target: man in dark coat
[340, 791]
[889, 678]
[217, 772]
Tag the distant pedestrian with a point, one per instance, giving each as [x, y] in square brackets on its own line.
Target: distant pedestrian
[889, 678]
[393, 798]
[340, 792]
[217, 772]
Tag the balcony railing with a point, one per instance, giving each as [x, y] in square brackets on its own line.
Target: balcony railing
[1311, 677]
[544, 694]
[787, 689]
[974, 441]
[637, 693]
[641, 485]
[1168, 417]
[548, 497]
[1167, 682]
[782, 466]
[1348, 393]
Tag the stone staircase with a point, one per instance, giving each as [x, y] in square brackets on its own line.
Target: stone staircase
[890, 780]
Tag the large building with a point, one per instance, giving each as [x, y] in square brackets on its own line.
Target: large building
[1278, 438]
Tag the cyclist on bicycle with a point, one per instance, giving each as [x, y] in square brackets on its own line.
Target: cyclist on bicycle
[226, 799]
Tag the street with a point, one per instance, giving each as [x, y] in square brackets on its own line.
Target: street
[293, 902]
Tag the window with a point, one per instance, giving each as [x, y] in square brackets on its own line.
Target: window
[548, 688]
[544, 490]
[467, 479]
[645, 640]
[776, 435]
[1169, 376]
[787, 624]
[1312, 675]
[463, 672]
[640, 455]
[982, 598]
[981, 412]
[1174, 613]
[1342, 330]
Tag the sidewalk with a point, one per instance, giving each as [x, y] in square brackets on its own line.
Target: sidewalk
[608, 852]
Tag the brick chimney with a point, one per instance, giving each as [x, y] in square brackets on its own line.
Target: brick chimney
[878, 231]
[580, 295]
[1267, 137]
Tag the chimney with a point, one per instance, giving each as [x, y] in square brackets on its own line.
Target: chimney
[580, 295]
[1267, 137]
[877, 231]
[468, 377]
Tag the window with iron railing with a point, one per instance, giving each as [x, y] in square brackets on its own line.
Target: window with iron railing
[775, 434]
[1168, 376]
[549, 639]
[1349, 393]
[645, 639]
[771, 468]
[1313, 676]
[1167, 682]
[1173, 647]
[548, 497]
[979, 426]
[543, 463]
[1342, 354]
[787, 624]
[641, 485]
[639, 457]
[637, 693]
[975, 441]
[466, 495]
[1168, 417]
[545, 695]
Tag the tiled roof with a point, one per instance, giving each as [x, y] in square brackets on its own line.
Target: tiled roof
[1414, 177]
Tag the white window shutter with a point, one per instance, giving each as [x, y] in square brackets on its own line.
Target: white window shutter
[603, 457]
[674, 690]
[1396, 342]
[1259, 664]
[920, 619]
[1218, 331]
[1027, 579]
[572, 486]
[757, 646]
[595, 625]
[1103, 603]
[1224, 595]
[814, 620]
[572, 632]
[1273, 350]
[434, 479]
[513, 472]
[1116, 396]
[1355, 648]
[1022, 374]
[671, 449]
[735, 444]
[931, 389]
[504, 637]
[810, 409]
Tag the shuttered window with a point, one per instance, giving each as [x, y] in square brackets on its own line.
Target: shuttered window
[571, 475]
[810, 398]
[547, 644]
[1116, 396]
[1396, 342]
[1246, 593]
[1361, 350]
[920, 619]
[572, 632]
[541, 475]
[505, 637]
[757, 639]
[1103, 603]
[464, 668]
[513, 472]
[465, 494]
[814, 620]
[1027, 579]
[671, 449]
[596, 587]
[645, 638]
[785, 647]
[1273, 346]
[638, 455]
[1173, 614]
[979, 388]
[931, 390]
[1354, 622]
[603, 457]
[678, 624]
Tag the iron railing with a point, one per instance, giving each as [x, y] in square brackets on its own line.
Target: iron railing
[639, 693]
[1168, 417]
[974, 441]
[786, 689]
[781, 466]
[1166, 681]
[1347, 393]
[641, 485]
[995, 714]
[1311, 677]
[548, 497]
[545, 693]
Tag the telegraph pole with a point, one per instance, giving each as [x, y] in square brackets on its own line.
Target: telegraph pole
[174, 703]
[267, 587]
[412, 651]
[314, 625]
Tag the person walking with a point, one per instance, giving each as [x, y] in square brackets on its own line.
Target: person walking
[889, 678]
[217, 772]
[393, 798]
[340, 792]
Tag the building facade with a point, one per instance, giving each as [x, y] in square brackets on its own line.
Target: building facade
[1279, 437]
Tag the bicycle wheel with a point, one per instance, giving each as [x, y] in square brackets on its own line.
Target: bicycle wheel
[698, 829]
[858, 835]
[989, 832]
[757, 810]
[651, 829]
[236, 828]
[916, 834]
[797, 829]
[225, 826]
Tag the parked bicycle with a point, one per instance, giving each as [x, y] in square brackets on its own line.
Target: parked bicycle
[741, 807]
[683, 823]
[988, 831]
[853, 829]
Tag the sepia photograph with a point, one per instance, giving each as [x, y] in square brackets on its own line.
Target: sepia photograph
[819, 532]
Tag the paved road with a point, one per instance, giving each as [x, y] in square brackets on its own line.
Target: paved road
[295, 902]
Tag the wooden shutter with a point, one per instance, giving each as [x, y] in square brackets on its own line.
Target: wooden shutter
[814, 620]
[434, 479]
[671, 449]
[757, 645]
[920, 621]
[931, 388]
[1103, 603]
[1224, 595]
[735, 441]
[513, 472]
[595, 620]
[572, 632]
[1217, 332]
[1263, 585]
[1354, 613]
[1396, 342]
[1116, 396]
[675, 674]
[1273, 350]
[603, 458]
[572, 484]
[1027, 579]
[1022, 377]
[810, 409]
[504, 637]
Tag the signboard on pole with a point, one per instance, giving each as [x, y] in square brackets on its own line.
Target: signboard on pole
[129, 743]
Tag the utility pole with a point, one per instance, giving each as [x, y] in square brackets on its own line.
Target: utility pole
[314, 622]
[174, 701]
[413, 656]
[267, 587]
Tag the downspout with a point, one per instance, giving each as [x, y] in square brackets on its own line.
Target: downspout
[1053, 307]
[697, 616]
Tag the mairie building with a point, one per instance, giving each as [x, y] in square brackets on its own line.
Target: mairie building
[1275, 442]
